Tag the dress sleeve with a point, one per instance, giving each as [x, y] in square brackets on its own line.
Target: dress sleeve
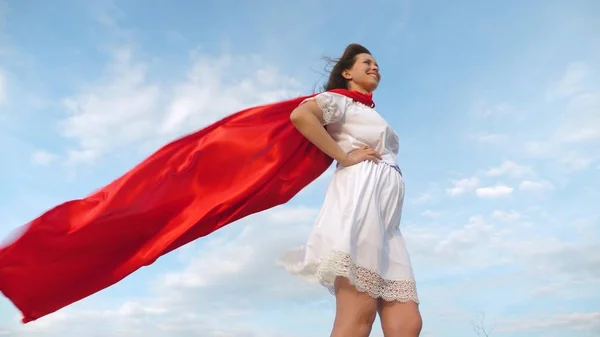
[332, 105]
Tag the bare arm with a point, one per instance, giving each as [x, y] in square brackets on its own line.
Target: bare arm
[308, 119]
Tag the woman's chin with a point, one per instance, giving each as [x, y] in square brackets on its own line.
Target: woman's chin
[372, 86]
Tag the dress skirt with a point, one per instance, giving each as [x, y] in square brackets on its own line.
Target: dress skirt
[357, 235]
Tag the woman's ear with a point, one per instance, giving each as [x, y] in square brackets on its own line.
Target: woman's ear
[346, 74]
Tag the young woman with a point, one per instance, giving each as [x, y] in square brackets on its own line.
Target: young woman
[356, 248]
[188, 189]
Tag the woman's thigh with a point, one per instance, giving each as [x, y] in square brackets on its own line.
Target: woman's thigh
[355, 311]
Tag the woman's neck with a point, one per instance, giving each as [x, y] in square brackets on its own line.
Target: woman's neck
[354, 87]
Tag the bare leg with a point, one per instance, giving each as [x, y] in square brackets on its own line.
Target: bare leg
[400, 319]
[355, 311]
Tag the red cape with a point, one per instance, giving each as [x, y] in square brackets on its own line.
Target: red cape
[246, 163]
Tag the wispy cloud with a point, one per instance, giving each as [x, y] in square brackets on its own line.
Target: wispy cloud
[124, 108]
[494, 191]
[535, 186]
[582, 321]
[487, 137]
[462, 186]
[506, 216]
[118, 111]
[511, 169]
[43, 158]
[572, 82]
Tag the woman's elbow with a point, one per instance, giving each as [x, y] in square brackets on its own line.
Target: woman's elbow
[295, 117]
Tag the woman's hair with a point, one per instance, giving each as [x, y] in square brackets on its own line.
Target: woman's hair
[336, 80]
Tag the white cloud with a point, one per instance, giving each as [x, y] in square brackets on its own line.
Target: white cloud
[43, 158]
[430, 214]
[429, 194]
[125, 109]
[571, 143]
[535, 186]
[485, 137]
[422, 198]
[553, 288]
[142, 319]
[299, 214]
[462, 186]
[578, 131]
[582, 120]
[464, 238]
[216, 87]
[506, 216]
[542, 254]
[240, 262]
[572, 81]
[582, 135]
[494, 191]
[582, 321]
[482, 244]
[485, 109]
[116, 112]
[511, 169]
[451, 251]
[574, 162]
[536, 148]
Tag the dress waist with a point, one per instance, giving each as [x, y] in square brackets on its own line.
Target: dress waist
[385, 160]
[393, 165]
[390, 160]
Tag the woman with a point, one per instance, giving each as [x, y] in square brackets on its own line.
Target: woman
[199, 183]
[356, 248]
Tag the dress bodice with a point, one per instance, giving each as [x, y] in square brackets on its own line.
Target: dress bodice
[352, 124]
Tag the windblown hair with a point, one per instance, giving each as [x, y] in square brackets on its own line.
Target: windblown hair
[346, 61]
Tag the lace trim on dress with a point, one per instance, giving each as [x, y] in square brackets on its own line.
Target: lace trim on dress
[353, 102]
[328, 106]
[364, 280]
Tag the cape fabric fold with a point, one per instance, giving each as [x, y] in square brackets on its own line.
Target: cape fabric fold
[245, 163]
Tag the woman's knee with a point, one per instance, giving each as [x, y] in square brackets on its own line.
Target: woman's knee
[357, 322]
[409, 325]
[415, 324]
[400, 319]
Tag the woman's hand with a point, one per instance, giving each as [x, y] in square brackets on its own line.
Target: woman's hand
[359, 155]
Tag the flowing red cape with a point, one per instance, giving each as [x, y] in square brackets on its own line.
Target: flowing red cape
[245, 163]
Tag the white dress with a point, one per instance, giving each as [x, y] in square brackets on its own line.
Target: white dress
[356, 234]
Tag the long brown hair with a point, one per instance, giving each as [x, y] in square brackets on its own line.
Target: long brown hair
[346, 61]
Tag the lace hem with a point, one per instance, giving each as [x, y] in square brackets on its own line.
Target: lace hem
[364, 280]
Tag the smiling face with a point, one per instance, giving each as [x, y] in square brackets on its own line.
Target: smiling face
[364, 75]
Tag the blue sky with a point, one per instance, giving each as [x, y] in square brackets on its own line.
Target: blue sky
[497, 105]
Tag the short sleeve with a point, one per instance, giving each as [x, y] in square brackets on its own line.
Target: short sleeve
[332, 105]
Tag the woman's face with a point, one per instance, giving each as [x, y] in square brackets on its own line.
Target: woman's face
[364, 74]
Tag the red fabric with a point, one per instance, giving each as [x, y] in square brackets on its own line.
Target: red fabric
[246, 163]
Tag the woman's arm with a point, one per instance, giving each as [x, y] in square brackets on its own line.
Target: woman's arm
[308, 119]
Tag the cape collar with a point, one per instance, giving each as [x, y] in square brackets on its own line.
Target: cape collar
[366, 99]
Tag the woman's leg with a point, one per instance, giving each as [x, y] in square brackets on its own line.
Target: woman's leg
[400, 319]
[355, 311]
